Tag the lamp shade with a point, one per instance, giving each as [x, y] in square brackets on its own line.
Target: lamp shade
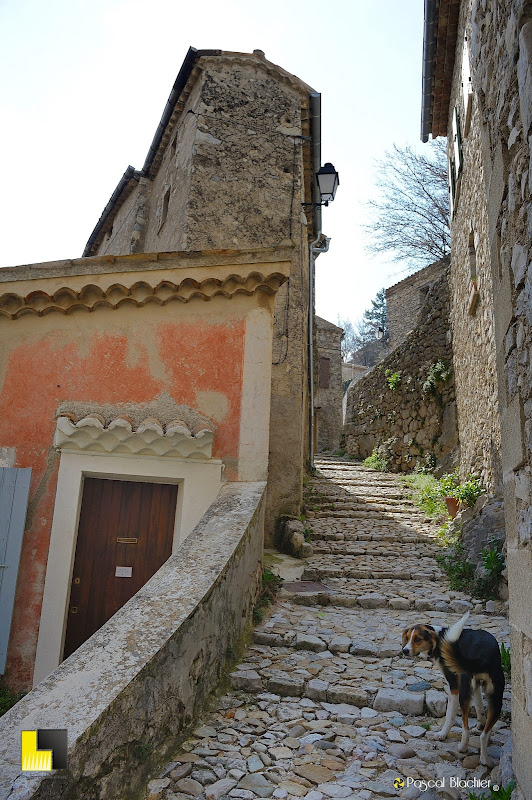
[328, 182]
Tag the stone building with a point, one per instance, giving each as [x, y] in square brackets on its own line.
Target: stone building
[148, 362]
[329, 394]
[405, 406]
[229, 166]
[477, 86]
[404, 301]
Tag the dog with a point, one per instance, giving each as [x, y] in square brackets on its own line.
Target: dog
[469, 660]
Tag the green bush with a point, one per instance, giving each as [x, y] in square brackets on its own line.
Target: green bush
[376, 461]
[467, 492]
[500, 793]
[393, 379]
[505, 660]
[459, 569]
[438, 373]
[425, 493]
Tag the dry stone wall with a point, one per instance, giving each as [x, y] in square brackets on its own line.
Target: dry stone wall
[329, 392]
[414, 422]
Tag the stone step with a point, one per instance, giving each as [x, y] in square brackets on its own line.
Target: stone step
[395, 594]
[375, 572]
[362, 548]
[286, 684]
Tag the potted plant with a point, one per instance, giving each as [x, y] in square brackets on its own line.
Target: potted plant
[449, 486]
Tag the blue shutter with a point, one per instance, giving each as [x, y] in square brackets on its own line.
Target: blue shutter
[14, 490]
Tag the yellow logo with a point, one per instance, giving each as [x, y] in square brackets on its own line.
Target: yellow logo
[398, 783]
[43, 750]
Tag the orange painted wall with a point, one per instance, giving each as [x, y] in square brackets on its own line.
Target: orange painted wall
[97, 367]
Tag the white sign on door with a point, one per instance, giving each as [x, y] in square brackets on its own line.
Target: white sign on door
[123, 572]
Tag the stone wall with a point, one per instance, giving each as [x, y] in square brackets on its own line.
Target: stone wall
[404, 301]
[472, 301]
[329, 391]
[501, 65]
[410, 423]
[139, 682]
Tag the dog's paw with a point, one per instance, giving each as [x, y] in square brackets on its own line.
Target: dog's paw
[463, 748]
[439, 736]
[487, 762]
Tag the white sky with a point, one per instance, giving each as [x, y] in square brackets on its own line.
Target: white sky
[85, 83]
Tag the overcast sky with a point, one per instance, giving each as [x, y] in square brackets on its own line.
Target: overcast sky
[85, 83]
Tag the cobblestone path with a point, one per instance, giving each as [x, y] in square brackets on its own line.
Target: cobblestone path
[324, 704]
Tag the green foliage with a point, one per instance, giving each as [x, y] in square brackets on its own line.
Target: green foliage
[339, 453]
[506, 660]
[459, 569]
[271, 583]
[425, 493]
[426, 468]
[467, 492]
[143, 752]
[438, 373]
[8, 698]
[376, 461]
[501, 793]
[393, 379]
[493, 562]
[470, 490]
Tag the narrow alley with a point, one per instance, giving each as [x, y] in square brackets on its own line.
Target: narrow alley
[324, 705]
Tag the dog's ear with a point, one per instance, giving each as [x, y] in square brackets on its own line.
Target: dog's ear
[406, 635]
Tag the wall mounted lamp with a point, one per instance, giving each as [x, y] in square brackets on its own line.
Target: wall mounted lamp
[328, 182]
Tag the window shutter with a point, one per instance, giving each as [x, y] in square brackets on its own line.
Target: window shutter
[457, 143]
[325, 373]
[452, 187]
[467, 86]
[14, 491]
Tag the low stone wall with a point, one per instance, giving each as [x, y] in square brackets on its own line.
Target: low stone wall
[410, 422]
[143, 678]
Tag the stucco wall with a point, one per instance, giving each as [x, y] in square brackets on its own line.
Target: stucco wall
[172, 340]
[408, 422]
[501, 61]
[139, 682]
[404, 301]
[473, 330]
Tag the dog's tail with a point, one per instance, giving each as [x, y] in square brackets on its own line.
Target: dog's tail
[447, 645]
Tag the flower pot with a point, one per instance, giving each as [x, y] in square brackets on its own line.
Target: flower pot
[453, 504]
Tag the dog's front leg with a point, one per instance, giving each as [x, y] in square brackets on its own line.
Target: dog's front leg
[450, 716]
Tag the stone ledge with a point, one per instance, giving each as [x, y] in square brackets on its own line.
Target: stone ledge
[143, 678]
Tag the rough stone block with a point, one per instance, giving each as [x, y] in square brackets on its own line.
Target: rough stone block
[286, 685]
[372, 600]
[317, 689]
[306, 641]
[347, 694]
[436, 702]
[340, 644]
[399, 700]
[247, 680]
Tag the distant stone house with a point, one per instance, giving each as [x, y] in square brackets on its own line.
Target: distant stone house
[477, 82]
[172, 357]
[328, 398]
[405, 299]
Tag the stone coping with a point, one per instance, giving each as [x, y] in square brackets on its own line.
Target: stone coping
[183, 259]
[144, 676]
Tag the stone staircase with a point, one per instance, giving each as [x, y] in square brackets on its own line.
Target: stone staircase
[324, 705]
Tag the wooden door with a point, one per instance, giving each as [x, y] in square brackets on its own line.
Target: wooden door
[125, 534]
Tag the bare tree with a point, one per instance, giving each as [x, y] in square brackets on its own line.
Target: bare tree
[410, 218]
[349, 341]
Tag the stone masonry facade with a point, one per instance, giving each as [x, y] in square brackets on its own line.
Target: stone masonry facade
[231, 170]
[394, 408]
[501, 60]
[471, 313]
[404, 301]
[328, 400]
[492, 226]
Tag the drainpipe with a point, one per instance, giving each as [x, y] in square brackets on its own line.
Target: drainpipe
[429, 35]
[314, 250]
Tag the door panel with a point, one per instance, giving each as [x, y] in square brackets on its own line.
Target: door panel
[122, 524]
